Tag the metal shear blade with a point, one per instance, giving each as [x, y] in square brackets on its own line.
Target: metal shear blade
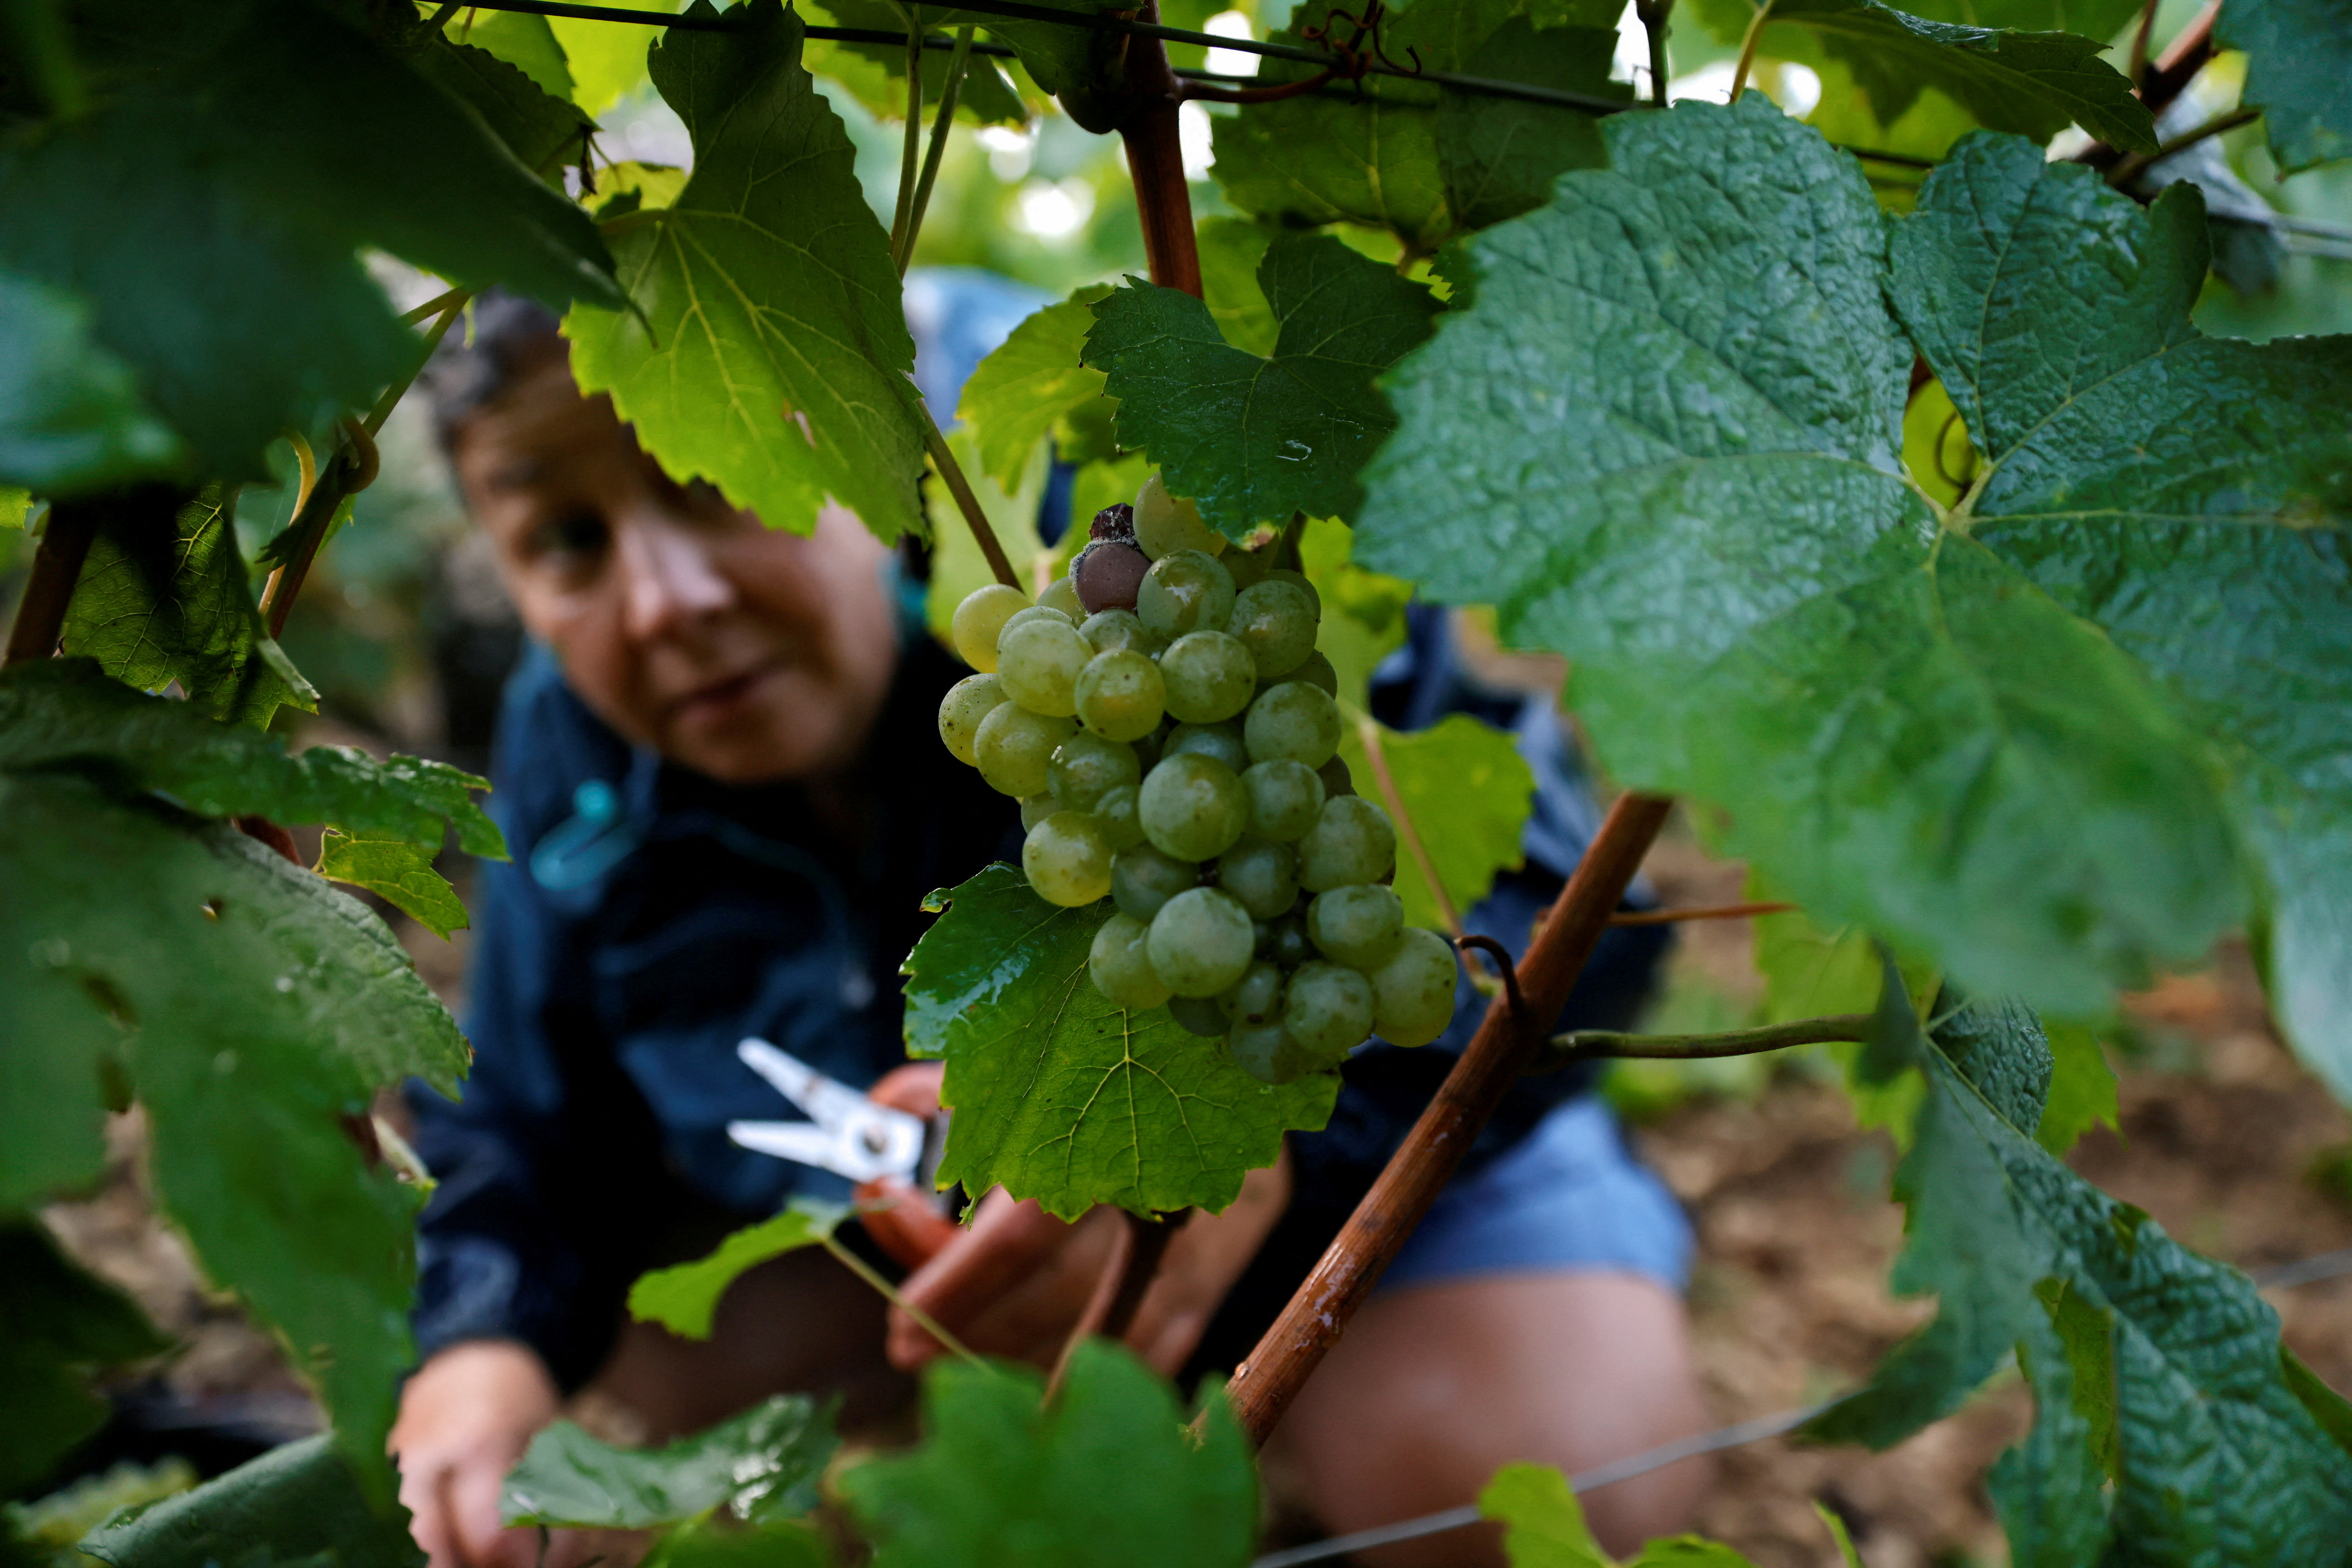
[846, 1134]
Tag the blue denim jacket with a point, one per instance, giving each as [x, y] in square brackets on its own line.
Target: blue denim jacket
[651, 918]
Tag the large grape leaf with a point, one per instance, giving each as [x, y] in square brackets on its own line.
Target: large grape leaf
[70, 415]
[1030, 383]
[58, 1324]
[606, 60]
[1500, 155]
[255, 1011]
[2190, 495]
[1061, 1097]
[1104, 1473]
[268, 139]
[164, 596]
[65, 713]
[1253, 439]
[2298, 55]
[1544, 1527]
[2164, 1365]
[294, 1504]
[762, 1464]
[1467, 792]
[2035, 83]
[538, 121]
[766, 351]
[1664, 441]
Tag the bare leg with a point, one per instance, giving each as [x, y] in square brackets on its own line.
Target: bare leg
[1437, 1386]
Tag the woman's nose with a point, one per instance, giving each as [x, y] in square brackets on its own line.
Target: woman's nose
[672, 580]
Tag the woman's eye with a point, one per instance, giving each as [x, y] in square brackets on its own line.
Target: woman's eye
[575, 534]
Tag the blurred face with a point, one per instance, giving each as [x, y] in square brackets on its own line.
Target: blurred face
[746, 653]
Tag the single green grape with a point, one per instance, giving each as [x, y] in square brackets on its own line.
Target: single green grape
[968, 701]
[1192, 807]
[1200, 944]
[1413, 989]
[1351, 841]
[1285, 942]
[1066, 860]
[1209, 677]
[1358, 925]
[977, 620]
[1086, 765]
[1292, 720]
[1120, 964]
[1316, 670]
[1263, 875]
[1014, 747]
[1062, 594]
[1142, 878]
[1337, 779]
[1037, 808]
[1256, 997]
[1276, 621]
[1107, 629]
[1199, 1014]
[1285, 575]
[1021, 617]
[1115, 813]
[1121, 695]
[1249, 567]
[1268, 1053]
[1327, 1008]
[1222, 742]
[1039, 662]
[1164, 524]
[1186, 592]
[1284, 799]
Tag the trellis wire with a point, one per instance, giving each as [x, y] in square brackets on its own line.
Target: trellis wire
[2278, 1276]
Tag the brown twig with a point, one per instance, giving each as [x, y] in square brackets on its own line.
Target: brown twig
[1311, 1323]
[1193, 91]
[2136, 65]
[1589, 1044]
[2174, 70]
[1653, 15]
[1503, 966]
[1147, 123]
[49, 584]
[1705, 912]
[2130, 168]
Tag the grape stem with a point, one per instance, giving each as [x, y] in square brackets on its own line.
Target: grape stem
[1746, 53]
[49, 588]
[951, 472]
[911, 149]
[1155, 160]
[1508, 1040]
[928, 1324]
[1653, 15]
[1135, 1257]
[1368, 730]
[1502, 957]
[1592, 1045]
[942, 122]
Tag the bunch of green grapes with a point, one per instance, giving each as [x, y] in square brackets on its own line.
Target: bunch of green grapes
[1170, 727]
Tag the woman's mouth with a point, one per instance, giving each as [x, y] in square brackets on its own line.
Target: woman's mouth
[727, 698]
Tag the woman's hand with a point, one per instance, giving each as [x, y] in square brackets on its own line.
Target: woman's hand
[464, 1418]
[1017, 1281]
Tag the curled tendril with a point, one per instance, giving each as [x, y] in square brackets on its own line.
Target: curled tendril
[1943, 434]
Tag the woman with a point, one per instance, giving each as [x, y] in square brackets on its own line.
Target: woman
[719, 775]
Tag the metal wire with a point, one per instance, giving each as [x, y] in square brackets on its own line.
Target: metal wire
[2279, 1277]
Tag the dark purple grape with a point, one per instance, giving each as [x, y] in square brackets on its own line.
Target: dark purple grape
[1107, 574]
[1114, 523]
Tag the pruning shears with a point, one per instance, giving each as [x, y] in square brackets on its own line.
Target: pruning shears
[882, 1149]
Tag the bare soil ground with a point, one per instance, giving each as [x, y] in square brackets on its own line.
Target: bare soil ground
[2220, 1137]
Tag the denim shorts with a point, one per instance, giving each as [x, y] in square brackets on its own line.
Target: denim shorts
[1570, 1196]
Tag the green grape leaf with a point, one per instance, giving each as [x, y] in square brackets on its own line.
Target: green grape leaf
[1664, 441]
[1316, 160]
[1500, 155]
[684, 1298]
[164, 596]
[397, 872]
[295, 1504]
[57, 1323]
[606, 60]
[1253, 439]
[540, 124]
[524, 41]
[65, 713]
[762, 1464]
[1062, 1096]
[1032, 381]
[766, 353]
[2162, 1367]
[1231, 249]
[2189, 495]
[1543, 1526]
[713, 1543]
[2297, 55]
[2035, 83]
[1839, 1535]
[957, 565]
[15, 506]
[1363, 612]
[258, 1010]
[1104, 1473]
[272, 138]
[70, 415]
[1468, 791]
